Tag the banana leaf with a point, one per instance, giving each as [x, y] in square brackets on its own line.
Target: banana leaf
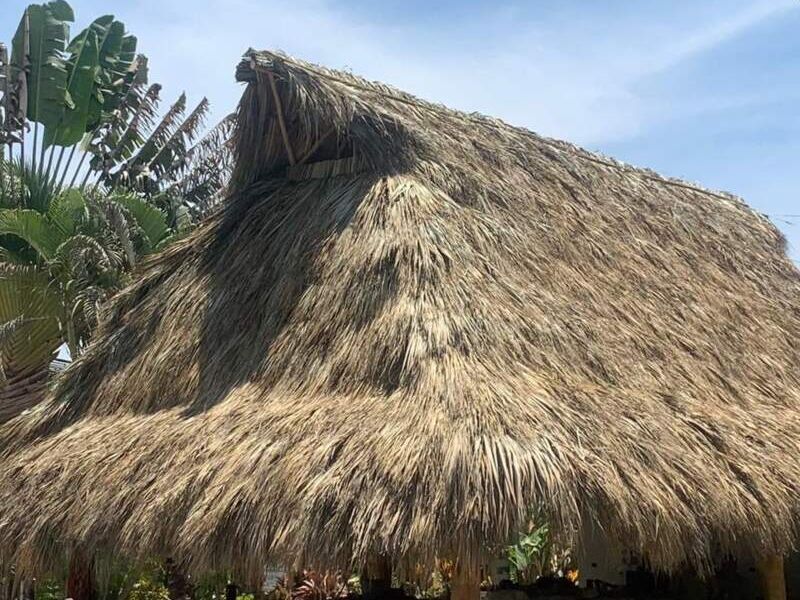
[117, 56]
[37, 59]
[82, 68]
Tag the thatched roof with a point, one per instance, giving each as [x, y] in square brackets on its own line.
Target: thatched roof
[429, 323]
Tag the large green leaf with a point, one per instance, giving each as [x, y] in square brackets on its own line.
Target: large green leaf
[82, 68]
[32, 227]
[114, 77]
[30, 310]
[61, 10]
[38, 58]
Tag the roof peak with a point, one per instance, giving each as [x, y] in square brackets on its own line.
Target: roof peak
[266, 60]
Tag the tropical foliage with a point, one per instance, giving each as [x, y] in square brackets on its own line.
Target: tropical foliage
[92, 178]
[529, 557]
[94, 118]
[62, 254]
[81, 243]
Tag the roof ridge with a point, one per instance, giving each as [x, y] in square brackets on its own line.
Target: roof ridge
[582, 153]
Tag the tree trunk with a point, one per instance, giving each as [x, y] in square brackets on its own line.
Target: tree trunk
[773, 580]
[80, 580]
[465, 585]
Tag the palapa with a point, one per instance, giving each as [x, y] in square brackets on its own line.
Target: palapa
[407, 327]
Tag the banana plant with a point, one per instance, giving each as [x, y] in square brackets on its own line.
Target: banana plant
[104, 180]
[64, 89]
[99, 118]
[161, 159]
[38, 66]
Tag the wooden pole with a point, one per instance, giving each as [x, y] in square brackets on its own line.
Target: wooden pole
[376, 580]
[279, 110]
[80, 579]
[773, 580]
[465, 584]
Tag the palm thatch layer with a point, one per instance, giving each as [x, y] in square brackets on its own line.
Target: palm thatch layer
[408, 326]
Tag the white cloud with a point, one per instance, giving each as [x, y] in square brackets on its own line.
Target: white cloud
[716, 33]
[571, 72]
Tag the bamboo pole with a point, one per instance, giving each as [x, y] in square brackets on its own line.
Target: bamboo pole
[773, 580]
[279, 111]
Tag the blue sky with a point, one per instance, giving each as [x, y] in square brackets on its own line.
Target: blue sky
[706, 91]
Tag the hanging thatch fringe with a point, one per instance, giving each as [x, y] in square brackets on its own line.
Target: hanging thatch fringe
[399, 345]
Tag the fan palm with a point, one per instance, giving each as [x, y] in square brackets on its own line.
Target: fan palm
[59, 260]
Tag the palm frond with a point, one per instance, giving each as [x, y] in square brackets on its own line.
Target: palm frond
[84, 257]
[117, 219]
[127, 131]
[172, 157]
[66, 211]
[151, 220]
[33, 228]
[130, 172]
[9, 329]
[209, 165]
[30, 310]
[21, 186]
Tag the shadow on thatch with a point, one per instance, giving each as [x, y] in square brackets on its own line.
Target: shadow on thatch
[249, 245]
[406, 327]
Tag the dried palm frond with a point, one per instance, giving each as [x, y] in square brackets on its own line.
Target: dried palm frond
[125, 134]
[201, 179]
[403, 328]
